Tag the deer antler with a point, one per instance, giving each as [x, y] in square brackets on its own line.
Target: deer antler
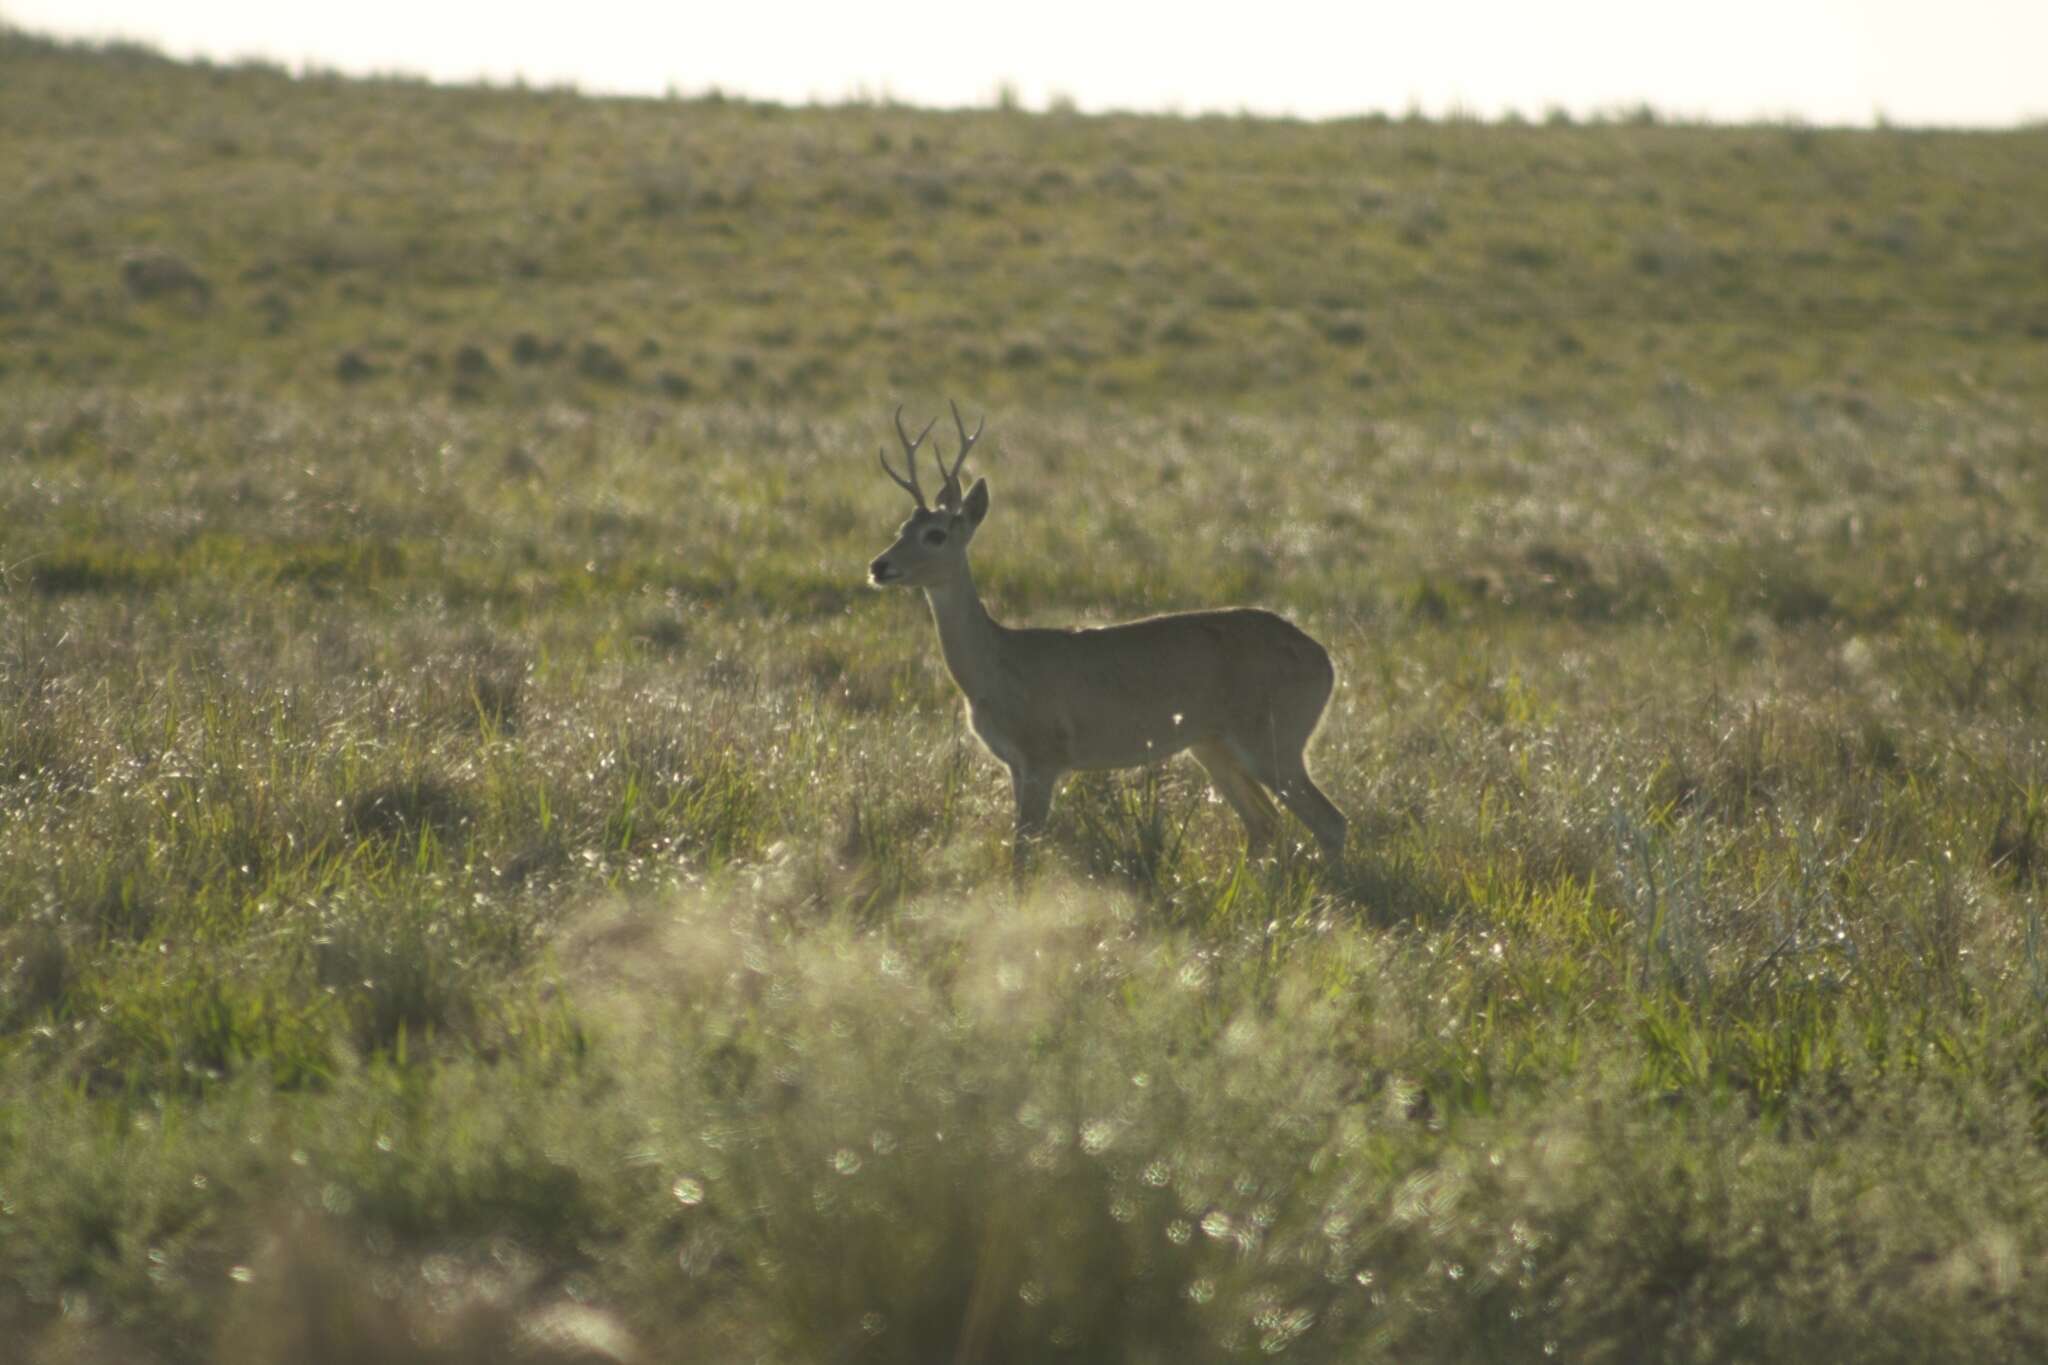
[949, 495]
[909, 458]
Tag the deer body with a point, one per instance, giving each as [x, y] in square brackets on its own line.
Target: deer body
[1240, 687]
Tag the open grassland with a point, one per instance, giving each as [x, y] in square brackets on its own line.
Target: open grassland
[481, 879]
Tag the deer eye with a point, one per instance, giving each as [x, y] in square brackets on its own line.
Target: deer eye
[935, 536]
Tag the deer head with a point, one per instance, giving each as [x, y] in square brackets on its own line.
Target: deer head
[932, 544]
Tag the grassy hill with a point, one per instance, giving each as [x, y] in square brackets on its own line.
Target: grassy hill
[838, 257]
[481, 878]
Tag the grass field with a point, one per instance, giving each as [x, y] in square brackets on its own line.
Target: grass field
[481, 878]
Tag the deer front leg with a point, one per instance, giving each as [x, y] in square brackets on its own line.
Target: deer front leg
[1034, 791]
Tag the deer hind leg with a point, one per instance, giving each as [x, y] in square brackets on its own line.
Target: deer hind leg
[1245, 796]
[1284, 769]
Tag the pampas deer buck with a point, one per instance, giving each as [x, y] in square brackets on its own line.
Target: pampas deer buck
[1242, 689]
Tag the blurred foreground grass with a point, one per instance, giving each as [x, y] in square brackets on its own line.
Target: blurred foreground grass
[481, 879]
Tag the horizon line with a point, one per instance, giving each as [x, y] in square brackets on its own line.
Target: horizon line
[1006, 97]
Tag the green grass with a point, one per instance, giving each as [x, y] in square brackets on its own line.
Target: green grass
[481, 878]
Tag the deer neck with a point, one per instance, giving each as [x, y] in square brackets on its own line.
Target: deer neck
[968, 636]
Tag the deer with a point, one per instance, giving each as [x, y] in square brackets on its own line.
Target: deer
[1240, 688]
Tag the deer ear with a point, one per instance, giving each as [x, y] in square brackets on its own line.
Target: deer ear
[976, 505]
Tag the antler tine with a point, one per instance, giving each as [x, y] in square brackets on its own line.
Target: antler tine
[910, 446]
[951, 491]
[909, 458]
[910, 488]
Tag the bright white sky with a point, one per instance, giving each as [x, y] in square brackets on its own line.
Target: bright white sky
[1982, 62]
